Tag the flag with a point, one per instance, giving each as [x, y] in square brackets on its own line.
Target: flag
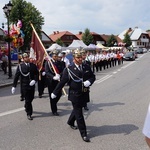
[39, 50]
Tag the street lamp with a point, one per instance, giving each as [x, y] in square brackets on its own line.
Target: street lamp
[7, 9]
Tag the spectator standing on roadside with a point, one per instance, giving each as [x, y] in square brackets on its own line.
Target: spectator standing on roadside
[4, 62]
[146, 128]
[28, 73]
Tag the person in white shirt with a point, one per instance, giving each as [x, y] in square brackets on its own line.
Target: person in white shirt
[146, 128]
[66, 60]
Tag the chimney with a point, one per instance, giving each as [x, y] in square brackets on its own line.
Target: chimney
[57, 32]
[130, 29]
[54, 32]
[80, 32]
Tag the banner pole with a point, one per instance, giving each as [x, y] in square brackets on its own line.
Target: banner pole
[46, 53]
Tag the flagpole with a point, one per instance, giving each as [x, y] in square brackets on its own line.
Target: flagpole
[46, 53]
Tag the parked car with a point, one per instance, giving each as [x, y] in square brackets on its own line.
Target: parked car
[129, 56]
[135, 53]
[145, 50]
[140, 51]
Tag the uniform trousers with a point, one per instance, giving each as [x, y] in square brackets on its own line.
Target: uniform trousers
[29, 96]
[77, 114]
[41, 85]
[53, 102]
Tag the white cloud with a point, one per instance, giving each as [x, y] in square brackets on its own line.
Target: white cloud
[101, 16]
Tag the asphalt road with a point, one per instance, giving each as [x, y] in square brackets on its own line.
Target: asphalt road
[119, 102]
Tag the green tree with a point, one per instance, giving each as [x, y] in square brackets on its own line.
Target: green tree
[59, 42]
[87, 37]
[27, 13]
[127, 40]
[111, 41]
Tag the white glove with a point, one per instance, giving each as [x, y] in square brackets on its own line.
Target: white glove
[86, 83]
[32, 82]
[43, 73]
[53, 95]
[13, 89]
[56, 77]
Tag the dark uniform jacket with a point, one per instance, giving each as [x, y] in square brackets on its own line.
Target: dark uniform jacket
[87, 62]
[26, 73]
[75, 79]
[50, 72]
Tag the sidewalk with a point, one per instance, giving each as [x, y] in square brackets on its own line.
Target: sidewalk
[4, 81]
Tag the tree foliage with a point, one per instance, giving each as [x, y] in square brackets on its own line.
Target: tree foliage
[59, 42]
[111, 41]
[87, 37]
[127, 40]
[26, 12]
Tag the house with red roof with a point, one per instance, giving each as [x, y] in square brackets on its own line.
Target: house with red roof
[96, 37]
[65, 36]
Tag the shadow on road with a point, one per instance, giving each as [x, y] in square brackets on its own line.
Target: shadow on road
[111, 129]
[98, 107]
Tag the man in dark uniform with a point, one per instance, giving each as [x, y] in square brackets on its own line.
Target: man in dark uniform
[42, 80]
[60, 56]
[52, 78]
[84, 61]
[28, 73]
[79, 77]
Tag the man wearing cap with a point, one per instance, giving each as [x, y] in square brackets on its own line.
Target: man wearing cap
[84, 61]
[66, 60]
[53, 73]
[28, 74]
[79, 77]
[60, 56]
[42, 80]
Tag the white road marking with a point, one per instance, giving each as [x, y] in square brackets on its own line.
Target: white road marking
[114, 72]
[11, 111]
[103, 79]
[128, 65]
[108, 76]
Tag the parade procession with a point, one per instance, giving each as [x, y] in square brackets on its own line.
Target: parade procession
[54, 76]
[65, 88]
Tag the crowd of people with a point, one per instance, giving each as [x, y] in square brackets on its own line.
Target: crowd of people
[78, 75]
[102, 60]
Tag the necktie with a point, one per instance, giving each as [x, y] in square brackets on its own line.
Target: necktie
[80, 67]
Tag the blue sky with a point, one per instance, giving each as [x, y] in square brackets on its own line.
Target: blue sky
[100, 16]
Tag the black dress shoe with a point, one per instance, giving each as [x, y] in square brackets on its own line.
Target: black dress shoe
[29, 117]
[86, 108]
[40, 96]
[85, 139]
[55, 114]
[22, 99]
[73, 127]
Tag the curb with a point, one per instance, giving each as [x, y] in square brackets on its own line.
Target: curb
[5, 85]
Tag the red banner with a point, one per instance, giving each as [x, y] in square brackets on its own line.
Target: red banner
[39, 50]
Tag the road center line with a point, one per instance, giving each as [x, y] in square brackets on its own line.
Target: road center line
[11, 111]
[103, 79]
